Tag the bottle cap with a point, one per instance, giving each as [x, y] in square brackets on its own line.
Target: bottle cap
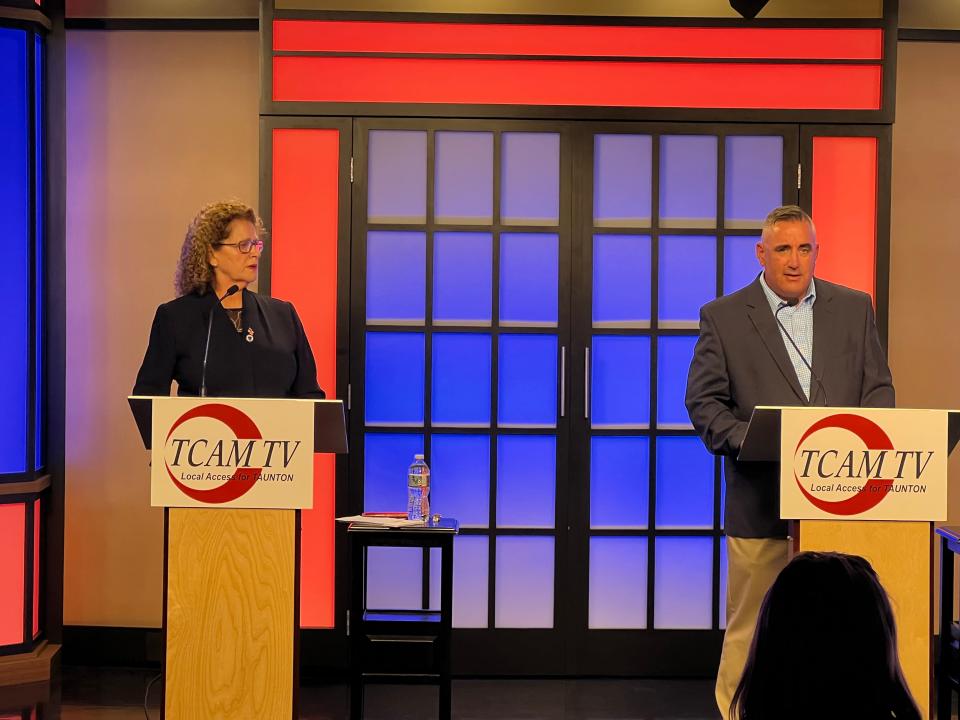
[418, 456]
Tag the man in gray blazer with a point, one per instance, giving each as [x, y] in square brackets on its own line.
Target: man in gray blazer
[785, 339]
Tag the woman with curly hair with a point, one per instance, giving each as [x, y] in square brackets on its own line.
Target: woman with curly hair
[218, 338]
[825, 647]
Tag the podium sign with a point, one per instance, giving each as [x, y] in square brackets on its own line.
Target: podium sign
[863, 464]
[232, 453]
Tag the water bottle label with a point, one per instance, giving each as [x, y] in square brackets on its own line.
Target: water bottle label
[418, 480]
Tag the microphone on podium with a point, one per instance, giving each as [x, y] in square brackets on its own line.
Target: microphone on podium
[206, 348]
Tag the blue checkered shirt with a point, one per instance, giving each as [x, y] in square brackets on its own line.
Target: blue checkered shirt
[798, 320]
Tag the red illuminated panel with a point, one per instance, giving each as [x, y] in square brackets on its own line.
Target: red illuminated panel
[845, 210]
[597, 83]
[304, 271]
[579, 40]
[13, 520]
[36, 567]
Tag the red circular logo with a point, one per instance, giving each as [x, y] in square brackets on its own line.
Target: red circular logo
[875, 489]
[243, 478]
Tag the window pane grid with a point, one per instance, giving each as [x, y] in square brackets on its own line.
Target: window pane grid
[459, 288]
[689, 231]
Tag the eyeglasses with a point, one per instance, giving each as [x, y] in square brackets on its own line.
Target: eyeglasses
[245, 246]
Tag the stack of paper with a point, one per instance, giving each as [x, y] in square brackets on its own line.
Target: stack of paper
[381, 521]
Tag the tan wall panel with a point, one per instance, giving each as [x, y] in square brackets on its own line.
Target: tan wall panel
[936, 14]
[626, 8]
[162, 9]
[924, 253]
[158, 123]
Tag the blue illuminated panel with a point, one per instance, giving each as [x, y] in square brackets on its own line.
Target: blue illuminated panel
[394, 578]
[464, 178]
[397, 185]
[40, 331]
[396, 277]
[386, 457]
[461, 379]
[688, 181]
[15, 211]
[753, 185]
[460, 478]
[682, 596]
[526, 480]
[688, 278]
[740, 265]
[530, 192]
[684, 483]
[529, 268]
[470, 568]
[463, 278]
[618, 583]
[674, 353]
[524, 595]
[394, 378]
[621, 281]
[620, 391]
[619, 482]
[622, 180]
[527, 387]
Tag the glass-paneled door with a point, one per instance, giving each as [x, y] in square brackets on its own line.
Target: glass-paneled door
[667, 221]
[461, 266]
[524, 306]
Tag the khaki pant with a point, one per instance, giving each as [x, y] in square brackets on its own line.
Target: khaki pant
[752, 566]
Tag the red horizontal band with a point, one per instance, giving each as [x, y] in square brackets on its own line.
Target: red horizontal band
[577, 83]
[579, 40]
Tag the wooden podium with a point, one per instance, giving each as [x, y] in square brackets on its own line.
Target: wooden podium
[869, 503]
[232, 546]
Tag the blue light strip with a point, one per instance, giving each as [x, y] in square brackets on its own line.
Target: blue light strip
[39, 206]
[14, 209]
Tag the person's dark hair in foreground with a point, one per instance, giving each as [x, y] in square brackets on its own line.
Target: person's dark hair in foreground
[825, 647]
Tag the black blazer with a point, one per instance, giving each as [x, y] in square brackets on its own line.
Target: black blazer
[277, 363]
[740, 361]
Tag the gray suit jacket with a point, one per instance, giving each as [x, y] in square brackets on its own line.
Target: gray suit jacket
[740, 361]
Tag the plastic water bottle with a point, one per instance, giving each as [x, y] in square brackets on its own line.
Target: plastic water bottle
[418, 490]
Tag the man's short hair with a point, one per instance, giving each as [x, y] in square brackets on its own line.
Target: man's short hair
[787, 213]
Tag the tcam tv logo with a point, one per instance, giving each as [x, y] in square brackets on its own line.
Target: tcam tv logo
[219, 467]
[843, 481]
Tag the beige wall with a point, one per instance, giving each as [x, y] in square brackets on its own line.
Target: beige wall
[924, 247]
[925, 250]
[931, 14]
[162, 9]
[636, 8]
[158, 123]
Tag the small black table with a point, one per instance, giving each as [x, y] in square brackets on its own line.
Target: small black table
[947, 683]
[410, 631]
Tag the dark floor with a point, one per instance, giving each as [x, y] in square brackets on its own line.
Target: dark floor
[117, 694]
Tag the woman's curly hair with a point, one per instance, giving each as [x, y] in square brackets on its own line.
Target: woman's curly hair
[210, 226]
